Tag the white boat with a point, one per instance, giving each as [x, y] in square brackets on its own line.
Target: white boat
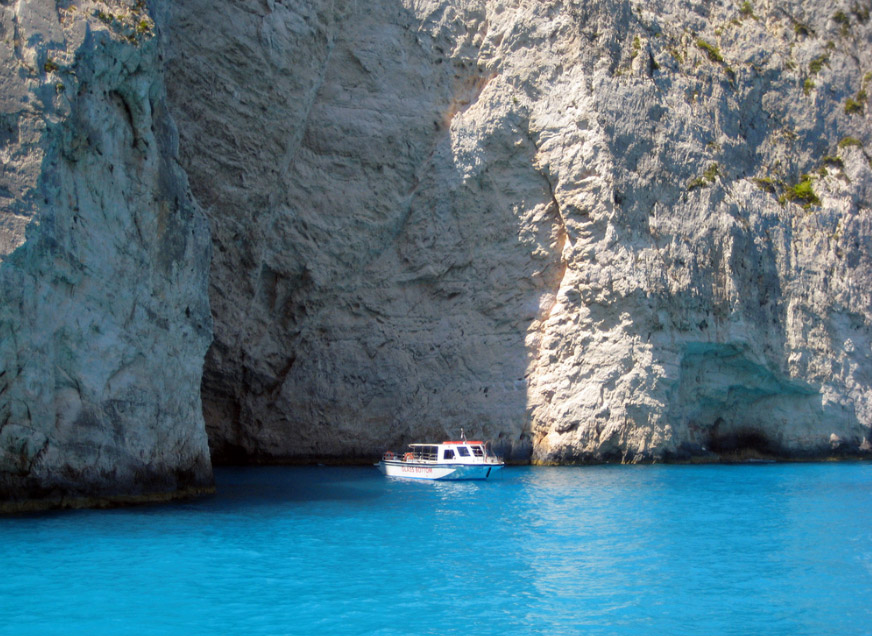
[446, 461]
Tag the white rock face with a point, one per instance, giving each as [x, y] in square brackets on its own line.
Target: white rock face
[555, 224]
[104, 317]
[590, 231]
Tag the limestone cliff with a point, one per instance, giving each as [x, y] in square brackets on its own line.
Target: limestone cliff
[591, 231]
[104, 317]
[598, 230]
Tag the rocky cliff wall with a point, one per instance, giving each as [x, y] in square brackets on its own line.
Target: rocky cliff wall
[104, 317]
[601, 230]
[368, 286]
[589, 231]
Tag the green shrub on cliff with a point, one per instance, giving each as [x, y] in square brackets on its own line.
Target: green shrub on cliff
[856, 105]
[815, 66]
[801, 192]
[801, 29]
[843, 21]
[846, 142]
[766, 184]
[708, 177]
[714, 54]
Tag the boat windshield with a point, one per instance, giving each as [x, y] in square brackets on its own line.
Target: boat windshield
[476, 450]
[463, 451]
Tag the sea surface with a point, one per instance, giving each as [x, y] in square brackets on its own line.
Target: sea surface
[745, 549]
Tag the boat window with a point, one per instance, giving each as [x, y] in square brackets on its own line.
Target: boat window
[476, 450]
[427, 453]
[463, 451]
[448, 454]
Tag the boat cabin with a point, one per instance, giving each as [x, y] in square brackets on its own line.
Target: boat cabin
[451, 460]
[462, 452]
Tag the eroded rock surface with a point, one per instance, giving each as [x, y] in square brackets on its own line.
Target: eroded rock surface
[590, 231]
[104, 317]
[579, 228]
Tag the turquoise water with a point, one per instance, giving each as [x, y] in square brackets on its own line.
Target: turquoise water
[774, 549]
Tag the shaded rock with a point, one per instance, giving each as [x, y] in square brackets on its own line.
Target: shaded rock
[104, 317]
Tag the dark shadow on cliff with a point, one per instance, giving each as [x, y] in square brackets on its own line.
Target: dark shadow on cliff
[368, 287]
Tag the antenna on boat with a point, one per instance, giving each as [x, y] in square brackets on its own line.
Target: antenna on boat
[462, 436]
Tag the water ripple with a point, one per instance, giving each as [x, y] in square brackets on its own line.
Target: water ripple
[783, 549]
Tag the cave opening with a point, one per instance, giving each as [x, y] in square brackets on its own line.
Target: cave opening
[743, 441]
[738, 407]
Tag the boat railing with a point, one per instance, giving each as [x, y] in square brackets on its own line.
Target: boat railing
[410, 457]
[424, 454]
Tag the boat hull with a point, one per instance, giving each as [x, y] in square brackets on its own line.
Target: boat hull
[437, 471]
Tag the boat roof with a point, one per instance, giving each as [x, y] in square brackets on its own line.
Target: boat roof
[448, 442]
